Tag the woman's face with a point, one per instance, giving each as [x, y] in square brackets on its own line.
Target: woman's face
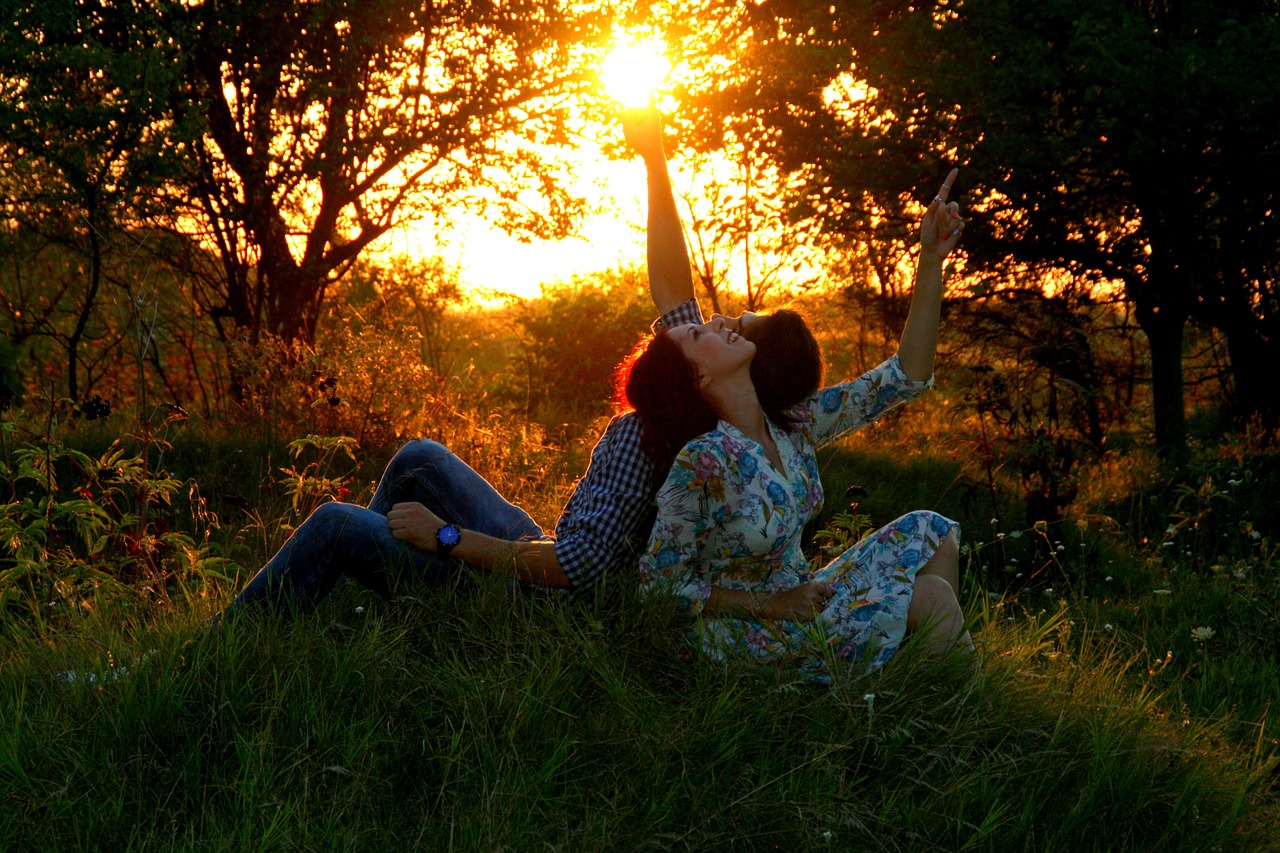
[713, 348]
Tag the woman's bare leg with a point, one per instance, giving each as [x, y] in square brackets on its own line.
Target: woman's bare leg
[934, 604]
[945, 563]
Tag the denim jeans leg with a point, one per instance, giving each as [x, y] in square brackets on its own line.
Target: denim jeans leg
[338, 539]
[429, 473]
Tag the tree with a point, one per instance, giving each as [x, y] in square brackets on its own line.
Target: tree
[324, 124]
[1112, 139]
[85, 134]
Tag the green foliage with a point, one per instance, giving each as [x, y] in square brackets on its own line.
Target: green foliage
[573, 338]
[316, 482]
[77, 529]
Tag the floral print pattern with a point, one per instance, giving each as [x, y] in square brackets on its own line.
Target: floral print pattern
[727, 517]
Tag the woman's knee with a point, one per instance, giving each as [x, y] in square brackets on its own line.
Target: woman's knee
[932, 600]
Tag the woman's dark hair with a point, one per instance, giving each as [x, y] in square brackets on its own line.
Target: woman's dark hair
[661, 385]
[787, 367]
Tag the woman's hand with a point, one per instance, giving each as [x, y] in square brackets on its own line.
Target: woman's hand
[940, 230]
[800, 604]
[415, 524]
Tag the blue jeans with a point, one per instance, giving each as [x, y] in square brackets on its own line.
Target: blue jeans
[341, 539]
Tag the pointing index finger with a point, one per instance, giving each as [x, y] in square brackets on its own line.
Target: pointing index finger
[945, 190]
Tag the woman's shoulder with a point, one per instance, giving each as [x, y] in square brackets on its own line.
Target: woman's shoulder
[714, 441]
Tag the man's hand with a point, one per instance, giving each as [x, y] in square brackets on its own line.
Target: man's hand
[643, 129]
[940, 230]
[415, 524]
[800, 604]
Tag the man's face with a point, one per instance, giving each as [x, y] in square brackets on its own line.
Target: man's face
[746, 324]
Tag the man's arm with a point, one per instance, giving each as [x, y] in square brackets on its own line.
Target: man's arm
[670, 275]
[531, 562]
[939, 233]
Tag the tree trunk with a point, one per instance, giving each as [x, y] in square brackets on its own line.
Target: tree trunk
[1253, 358]
[1164, 331]
[86, 310]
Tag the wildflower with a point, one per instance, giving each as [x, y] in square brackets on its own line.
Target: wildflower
[994, 522]
[1171, 530]
[1255, 534]
[1109, 578]
[1202, 634]
[999, 535]
[359, 609]
[1234, 482]
[964, 549]
[1162, 591]
[1062, 548]
[1108, 627]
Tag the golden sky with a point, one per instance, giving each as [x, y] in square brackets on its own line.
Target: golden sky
[489, 259]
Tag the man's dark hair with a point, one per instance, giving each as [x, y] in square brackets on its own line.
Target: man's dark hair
[787, 367]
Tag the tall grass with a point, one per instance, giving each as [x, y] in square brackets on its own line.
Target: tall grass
[482, 719]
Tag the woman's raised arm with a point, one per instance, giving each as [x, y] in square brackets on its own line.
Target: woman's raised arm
[939, 233]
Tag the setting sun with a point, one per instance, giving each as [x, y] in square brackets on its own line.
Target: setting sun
[634, 70]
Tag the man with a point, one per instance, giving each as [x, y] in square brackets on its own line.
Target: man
[430, 508]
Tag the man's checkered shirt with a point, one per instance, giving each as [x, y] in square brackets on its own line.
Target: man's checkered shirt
[606, 522]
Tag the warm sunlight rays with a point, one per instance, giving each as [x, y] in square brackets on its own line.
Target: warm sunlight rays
[634, 70]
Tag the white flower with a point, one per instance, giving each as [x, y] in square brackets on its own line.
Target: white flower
[359, 609]
[1062, 548]
[1202, 633]
[995, 521]
[1108, 627]
[1162, 591]
[1109, 578]
[1171, 529]
[964, 549]
[1255, 534]
[1234, 482]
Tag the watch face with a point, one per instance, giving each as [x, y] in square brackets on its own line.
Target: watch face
[448, 535]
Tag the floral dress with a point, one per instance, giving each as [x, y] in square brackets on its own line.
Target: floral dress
[728, 518]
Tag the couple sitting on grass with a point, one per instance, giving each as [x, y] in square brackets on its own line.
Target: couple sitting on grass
[725, 419]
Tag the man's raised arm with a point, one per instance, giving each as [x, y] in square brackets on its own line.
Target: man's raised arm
[670, 276]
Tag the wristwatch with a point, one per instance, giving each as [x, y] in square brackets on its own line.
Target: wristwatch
[446, 537]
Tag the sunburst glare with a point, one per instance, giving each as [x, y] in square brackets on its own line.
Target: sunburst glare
[634, 70]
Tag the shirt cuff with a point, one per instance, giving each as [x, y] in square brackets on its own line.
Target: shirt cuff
[684, 313]
[900, 376]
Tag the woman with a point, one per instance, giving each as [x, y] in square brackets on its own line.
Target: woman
[726, 541]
